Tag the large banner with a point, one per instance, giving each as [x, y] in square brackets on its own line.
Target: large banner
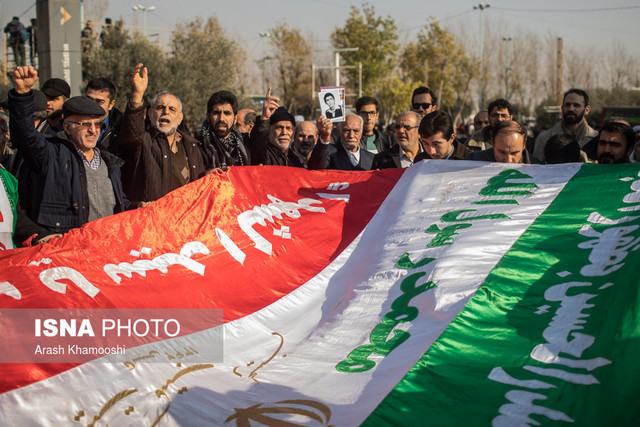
[450, 293]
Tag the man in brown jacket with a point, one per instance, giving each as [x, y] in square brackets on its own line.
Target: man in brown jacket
[159, 157]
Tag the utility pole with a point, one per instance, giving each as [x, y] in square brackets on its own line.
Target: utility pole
[337, 68]
[559, 71]
[59, 48]
[507, 68]
[263, 62]
[481, 7]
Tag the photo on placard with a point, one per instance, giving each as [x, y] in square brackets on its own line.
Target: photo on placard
[332, 103]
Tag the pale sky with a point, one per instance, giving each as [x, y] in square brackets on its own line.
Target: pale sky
[581, 23]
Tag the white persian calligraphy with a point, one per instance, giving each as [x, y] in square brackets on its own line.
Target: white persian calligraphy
[160, 263]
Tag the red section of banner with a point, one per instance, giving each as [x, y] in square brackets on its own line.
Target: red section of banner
[237, 241]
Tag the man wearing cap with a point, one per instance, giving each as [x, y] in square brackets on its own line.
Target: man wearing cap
[57, 92]
[272, 134]
[79, 182]
[159, 157]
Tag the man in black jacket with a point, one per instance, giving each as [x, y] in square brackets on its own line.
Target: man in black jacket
[345, 155]
[272, 135]
[438, 138]
[159, 156]
[79, 182]
[404, 153]
[372, 140]
[509, 145]
[103, 92]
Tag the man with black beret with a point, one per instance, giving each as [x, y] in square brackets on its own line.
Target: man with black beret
[272, 134]
[57, 92]
[79, 182]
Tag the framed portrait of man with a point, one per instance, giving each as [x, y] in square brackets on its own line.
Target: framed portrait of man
[332, 102]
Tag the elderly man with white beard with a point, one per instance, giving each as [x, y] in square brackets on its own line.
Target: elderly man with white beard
[158, 157]
[346, 154]
[272, 136]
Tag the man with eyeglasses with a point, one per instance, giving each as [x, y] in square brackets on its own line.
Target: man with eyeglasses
[79, 182]
[423, 101]
[408, 145]
[499, 111]
[372, 140]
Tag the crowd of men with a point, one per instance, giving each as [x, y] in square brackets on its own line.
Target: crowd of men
[79, 158]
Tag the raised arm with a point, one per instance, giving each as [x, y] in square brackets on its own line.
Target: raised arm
[259, 137]
[23, 132]
[132, 125]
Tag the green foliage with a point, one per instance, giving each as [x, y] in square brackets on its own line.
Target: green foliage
[449, 68]
[292, 56]
[117, 53]
[394, 97]
[204, 61]
[376, 39]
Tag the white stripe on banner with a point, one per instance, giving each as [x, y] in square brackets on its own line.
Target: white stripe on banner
[283, 358]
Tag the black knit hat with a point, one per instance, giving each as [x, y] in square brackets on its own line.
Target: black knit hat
[280, 115]
[56, 87]
[82, 105]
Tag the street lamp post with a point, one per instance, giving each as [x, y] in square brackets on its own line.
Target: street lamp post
[507, 68]
[481, 7]
[263, 62]
[141, 8]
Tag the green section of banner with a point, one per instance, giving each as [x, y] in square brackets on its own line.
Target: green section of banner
[10, 186]
[553, 335]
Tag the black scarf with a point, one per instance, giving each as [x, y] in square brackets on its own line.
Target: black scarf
[227, 151]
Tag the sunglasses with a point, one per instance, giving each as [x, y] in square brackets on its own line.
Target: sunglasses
[424, 105]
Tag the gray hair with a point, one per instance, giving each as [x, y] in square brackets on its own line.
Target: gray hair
[341, 124]
[155, 98]
[417, 116]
